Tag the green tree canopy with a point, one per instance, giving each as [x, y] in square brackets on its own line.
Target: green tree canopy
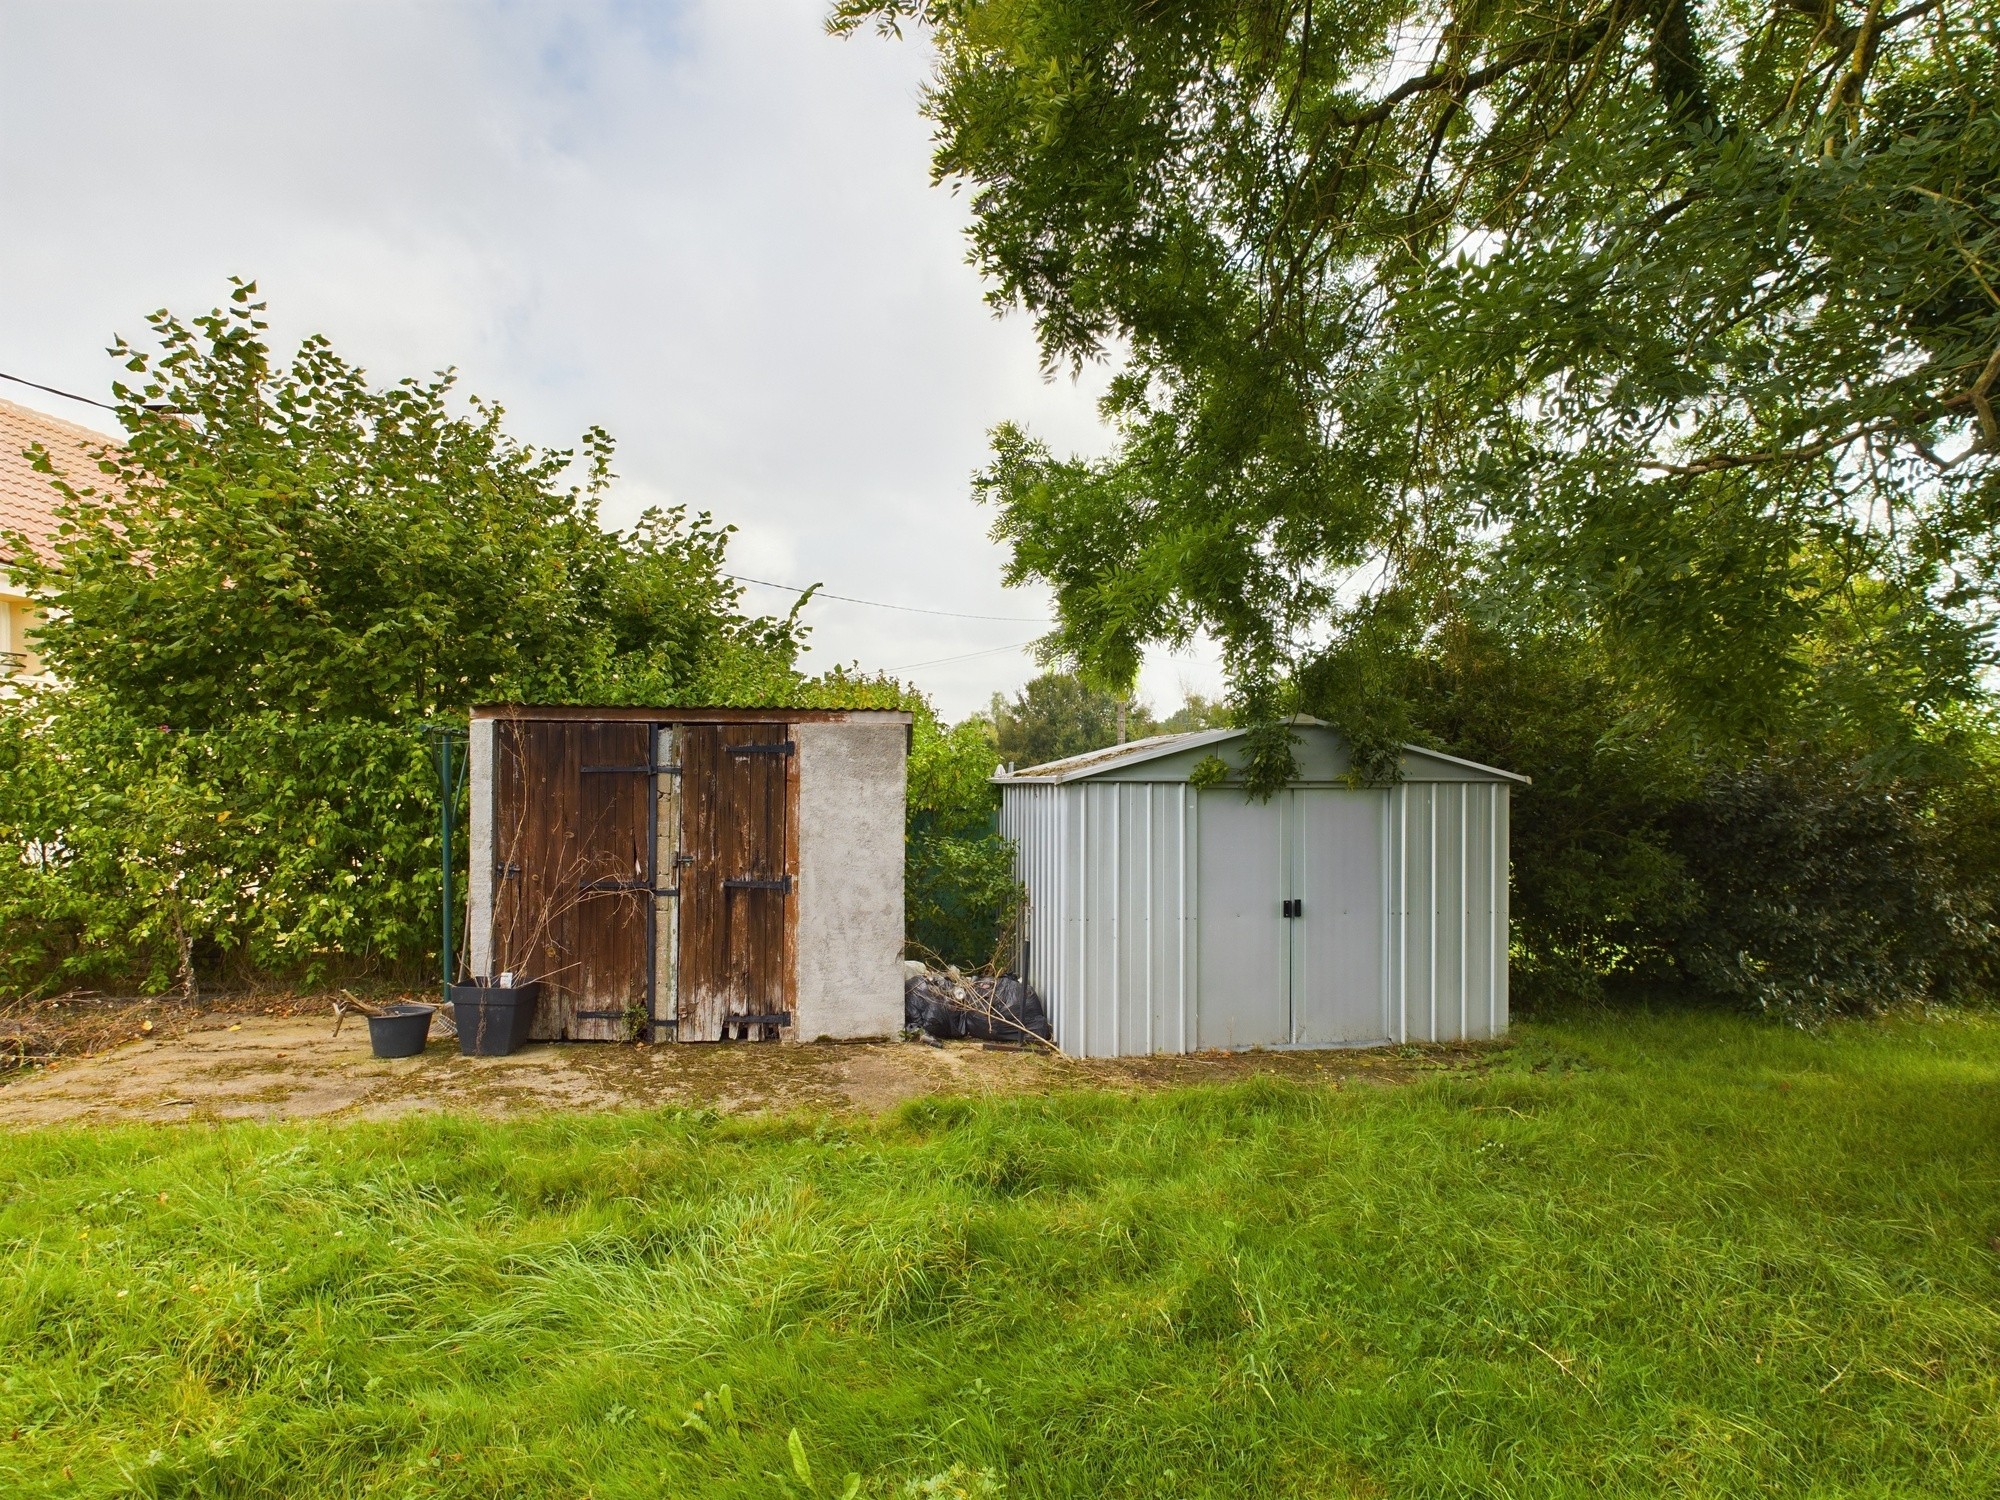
[1673, 319]
[289, 539]
[1057, 714]
[258, 600]
[252, 608]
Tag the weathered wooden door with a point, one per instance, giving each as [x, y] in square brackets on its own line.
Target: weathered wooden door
[737, 862]
[574, 856]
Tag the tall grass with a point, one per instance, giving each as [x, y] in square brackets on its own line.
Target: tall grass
[1667, 1256]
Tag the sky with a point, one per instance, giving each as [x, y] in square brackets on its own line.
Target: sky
[703, 224]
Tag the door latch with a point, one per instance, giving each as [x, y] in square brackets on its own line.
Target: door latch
[1295, 908]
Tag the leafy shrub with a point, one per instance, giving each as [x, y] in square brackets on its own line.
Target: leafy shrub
[276, 843]
[1825, 890]
[960, 894]
[257, 604]
[288, 539]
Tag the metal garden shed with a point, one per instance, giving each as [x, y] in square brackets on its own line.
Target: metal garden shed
[692, 874]
[1169, 916]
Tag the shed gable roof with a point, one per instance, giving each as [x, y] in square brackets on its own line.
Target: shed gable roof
[1321, 750]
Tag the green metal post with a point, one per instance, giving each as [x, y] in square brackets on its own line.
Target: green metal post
[451, 776]
[444, 746]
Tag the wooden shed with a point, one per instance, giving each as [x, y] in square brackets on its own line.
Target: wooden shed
[691, 875]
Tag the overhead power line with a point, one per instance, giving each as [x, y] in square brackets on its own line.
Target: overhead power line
[66, 395]
[911, 666]
[908, 609]
[155, 406]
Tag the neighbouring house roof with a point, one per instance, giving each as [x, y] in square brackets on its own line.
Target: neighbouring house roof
[1321, 753]
[27, 499]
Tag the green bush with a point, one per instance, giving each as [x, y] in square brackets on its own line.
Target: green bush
[1827, 890]
[961, 895]
[259, 603]
[274, 843]
[1849, 863]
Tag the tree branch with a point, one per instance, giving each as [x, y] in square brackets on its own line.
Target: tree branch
[1982, 401]
[1716, 462]
[1461, 82]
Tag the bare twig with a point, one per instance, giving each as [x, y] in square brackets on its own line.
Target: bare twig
[978, 996]
[527, 936]
[347, 1001]
[1982, 400]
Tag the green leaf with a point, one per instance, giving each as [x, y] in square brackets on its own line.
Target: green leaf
[797, 1447]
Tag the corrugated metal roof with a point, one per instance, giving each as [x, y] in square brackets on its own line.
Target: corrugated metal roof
[1117, 757]
[1470, 765]
[1131, 753]
[27, 500]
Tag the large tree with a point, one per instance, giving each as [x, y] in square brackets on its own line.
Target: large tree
[253, 606]
[289, 538]
[256, 603]
[1057, 714]
[1678, 320]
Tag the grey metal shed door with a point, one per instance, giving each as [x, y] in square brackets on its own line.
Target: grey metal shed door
[1290, 902]
[1336, 860]
[1244, 981]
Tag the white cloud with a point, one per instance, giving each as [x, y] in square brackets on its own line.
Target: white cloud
[706, 226]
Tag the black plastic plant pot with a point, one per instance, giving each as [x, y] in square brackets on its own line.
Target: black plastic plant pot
[492, 1021]
[401, 1030]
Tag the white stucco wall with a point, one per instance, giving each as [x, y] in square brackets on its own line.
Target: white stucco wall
[850, 884]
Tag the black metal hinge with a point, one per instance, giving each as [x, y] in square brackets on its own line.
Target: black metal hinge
[782, 883]
[647, 770]
[775, 1018]
[507, 872]
[598, 1015]
[785, 748]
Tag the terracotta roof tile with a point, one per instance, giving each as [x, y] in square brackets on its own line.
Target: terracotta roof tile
[27, 500]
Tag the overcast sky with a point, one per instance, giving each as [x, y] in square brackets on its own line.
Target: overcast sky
[705, 225]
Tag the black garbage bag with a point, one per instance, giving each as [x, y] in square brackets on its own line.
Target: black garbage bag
[1017, 1000]
[976, 1010]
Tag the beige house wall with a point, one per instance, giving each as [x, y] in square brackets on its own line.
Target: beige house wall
[18, 619]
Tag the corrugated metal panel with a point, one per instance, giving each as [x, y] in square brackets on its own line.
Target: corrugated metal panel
[1447, 910]
[1113, 934]
[1110, 925]
[1242, 875]
[1336, 941]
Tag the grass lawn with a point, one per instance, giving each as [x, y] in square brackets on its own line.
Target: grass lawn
[1681, 1255]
